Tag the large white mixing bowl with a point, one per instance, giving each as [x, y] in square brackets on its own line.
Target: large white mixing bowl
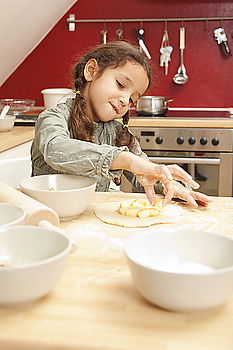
[182, 270]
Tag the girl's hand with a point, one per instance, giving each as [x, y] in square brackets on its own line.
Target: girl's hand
[160, 173]
[181, 192]
[180, 174]
[148, 174]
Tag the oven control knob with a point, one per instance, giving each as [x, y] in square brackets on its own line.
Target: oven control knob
[191, 140]
[147, 140]
[215, 141]
[203, 141]
[159, 140]
[180, 140]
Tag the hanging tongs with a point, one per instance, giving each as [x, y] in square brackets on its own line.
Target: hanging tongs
[221, 38]
[141, 43]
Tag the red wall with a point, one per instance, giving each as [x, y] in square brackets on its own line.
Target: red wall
[210, 76]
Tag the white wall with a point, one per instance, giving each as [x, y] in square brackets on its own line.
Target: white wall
[23, 24]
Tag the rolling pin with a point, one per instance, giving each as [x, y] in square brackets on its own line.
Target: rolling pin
[37, 212]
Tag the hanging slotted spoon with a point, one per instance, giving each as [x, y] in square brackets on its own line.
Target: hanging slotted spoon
[181, 77]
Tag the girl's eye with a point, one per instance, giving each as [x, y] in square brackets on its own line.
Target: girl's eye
[132, 103]
[133, 100]
[120, 84]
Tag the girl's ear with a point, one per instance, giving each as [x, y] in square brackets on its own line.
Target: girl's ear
[90, 69]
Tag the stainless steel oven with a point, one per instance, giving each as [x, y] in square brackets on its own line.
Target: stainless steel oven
[207, 154]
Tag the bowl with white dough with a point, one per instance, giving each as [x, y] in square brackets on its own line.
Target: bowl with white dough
[68, 195]
[182, 270]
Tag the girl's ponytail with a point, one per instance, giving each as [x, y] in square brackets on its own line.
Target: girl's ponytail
[124, 137]
[81, 126]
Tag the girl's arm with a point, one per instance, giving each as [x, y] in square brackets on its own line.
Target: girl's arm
[54, 149]
[148, 173]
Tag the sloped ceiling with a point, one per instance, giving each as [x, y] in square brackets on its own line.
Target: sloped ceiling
[23, 24]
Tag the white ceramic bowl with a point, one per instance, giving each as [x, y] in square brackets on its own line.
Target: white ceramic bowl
[7, 123]
[68, 195]
[32, 260]
[54, 96]
[182, 270]
[11, 215]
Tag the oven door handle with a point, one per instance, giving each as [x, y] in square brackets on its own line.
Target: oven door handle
[189, 160]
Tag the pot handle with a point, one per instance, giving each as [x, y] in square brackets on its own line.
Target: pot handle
[166, 101]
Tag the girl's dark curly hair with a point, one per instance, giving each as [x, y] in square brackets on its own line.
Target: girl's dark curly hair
[113, 54]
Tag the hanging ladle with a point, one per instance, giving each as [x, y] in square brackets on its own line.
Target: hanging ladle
[181, 77]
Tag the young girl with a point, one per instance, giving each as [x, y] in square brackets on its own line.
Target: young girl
[82, 136]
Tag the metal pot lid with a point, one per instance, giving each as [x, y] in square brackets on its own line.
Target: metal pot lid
[154, 97]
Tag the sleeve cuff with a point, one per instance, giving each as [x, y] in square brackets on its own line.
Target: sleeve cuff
[104, 163]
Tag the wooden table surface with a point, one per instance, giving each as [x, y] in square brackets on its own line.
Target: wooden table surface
[15, 137]
[95, 306]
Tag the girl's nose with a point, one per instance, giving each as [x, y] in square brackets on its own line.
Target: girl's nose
[124, 100]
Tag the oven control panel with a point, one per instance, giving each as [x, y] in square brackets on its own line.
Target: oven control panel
[184, 139]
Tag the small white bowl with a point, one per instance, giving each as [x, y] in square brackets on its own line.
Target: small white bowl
[11, 215]
[31, 262]
[182, 270]
[68, 195]
[7, 123]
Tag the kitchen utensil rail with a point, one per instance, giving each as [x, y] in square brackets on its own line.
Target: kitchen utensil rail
[71, 20]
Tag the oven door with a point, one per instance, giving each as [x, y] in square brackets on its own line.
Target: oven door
[216, 169]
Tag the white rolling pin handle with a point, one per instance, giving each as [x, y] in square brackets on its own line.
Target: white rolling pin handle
[36, 211]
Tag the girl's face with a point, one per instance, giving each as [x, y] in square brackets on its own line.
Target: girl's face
[109, 96]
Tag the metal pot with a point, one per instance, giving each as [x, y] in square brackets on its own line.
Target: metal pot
[152, 105]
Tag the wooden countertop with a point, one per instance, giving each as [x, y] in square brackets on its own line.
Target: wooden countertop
[96, 306]
[163, 122]
[15, 137]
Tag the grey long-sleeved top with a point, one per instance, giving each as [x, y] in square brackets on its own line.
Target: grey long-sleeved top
[55, 151]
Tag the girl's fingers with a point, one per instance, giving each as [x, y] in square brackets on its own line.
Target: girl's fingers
[193, 198]
[170, 190]
[191, 201]
[150, 192]
[181, 175]
[202, 198]
[165, 173]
